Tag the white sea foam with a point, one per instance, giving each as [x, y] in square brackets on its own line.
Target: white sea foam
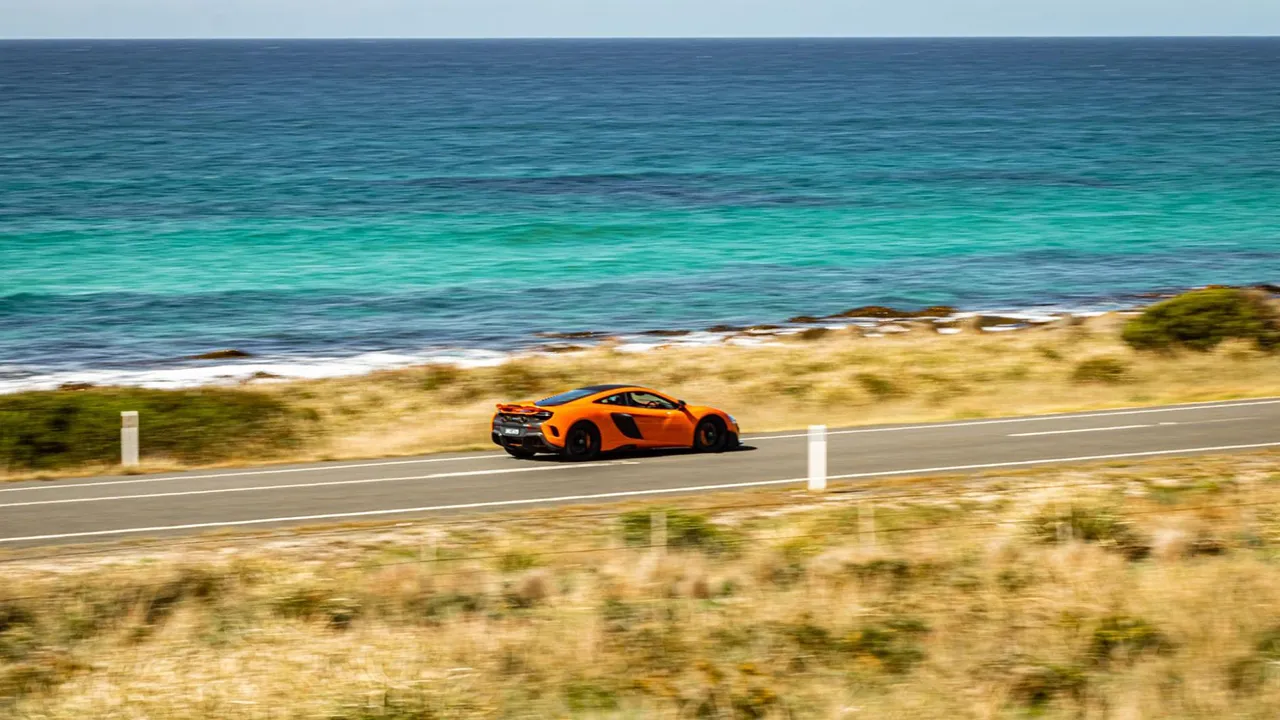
[189, 374]
[263, 370]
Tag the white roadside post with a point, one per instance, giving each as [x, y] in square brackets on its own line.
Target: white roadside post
[817, 458]
[129, 438]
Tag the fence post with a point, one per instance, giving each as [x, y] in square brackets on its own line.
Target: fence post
[129, 438]
[658, 531]
[817, 458]
[867, 523]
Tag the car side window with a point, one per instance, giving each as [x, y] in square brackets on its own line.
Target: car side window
[649, 400]
[619, 399]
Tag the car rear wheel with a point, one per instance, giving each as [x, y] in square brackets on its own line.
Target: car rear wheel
[711, 435]
[519, 453]
[582, 442]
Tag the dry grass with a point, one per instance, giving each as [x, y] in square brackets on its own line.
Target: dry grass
[1122, 590]
[839, 378]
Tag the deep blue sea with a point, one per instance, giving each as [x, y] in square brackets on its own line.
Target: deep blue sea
[354, 204]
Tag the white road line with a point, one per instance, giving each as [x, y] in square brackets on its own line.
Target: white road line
[1086, 430]
[1133, 427]
[1050, 461]
[611, 495]
[1037, 418]
[295, 486]
[313, 468]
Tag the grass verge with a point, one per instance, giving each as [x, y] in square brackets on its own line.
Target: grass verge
[1126, 589]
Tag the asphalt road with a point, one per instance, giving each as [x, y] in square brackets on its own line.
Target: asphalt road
[111, 508]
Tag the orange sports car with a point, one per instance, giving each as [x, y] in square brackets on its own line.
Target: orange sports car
[581, 424]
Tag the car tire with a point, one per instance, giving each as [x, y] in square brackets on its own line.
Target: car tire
[519, 453]
[582, 442]
[711, 435]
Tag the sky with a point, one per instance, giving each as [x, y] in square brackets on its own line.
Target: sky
[630, 18]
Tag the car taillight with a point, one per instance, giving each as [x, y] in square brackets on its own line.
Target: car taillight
[531, 418]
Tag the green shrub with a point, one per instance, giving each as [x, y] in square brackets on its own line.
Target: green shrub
[586, 696]
[1048, 352]
[893, 644]
[41, 430]
[518, 381]
[1249, 673]
[879, 387]
[1202, 319]
[684, 530]
[308, 602]
[437, 377]
[1095, 525]
[1105, 370]
[1035, 686]
[1126, 635]
[517, 561]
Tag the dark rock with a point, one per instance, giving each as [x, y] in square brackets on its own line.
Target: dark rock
[725, 329]
[936, 311]
[764, 328]
[1268, 288]
[815, 333]
[221, 355]
[562, 348]
[804, 320]
[580, 335]
[985, 321]
[76, 386]
[665, 333]
[874, 311]
[262, 375]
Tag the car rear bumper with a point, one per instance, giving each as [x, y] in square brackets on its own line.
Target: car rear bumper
[525, 438]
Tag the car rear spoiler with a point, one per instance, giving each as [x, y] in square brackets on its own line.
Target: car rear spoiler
[519, 408]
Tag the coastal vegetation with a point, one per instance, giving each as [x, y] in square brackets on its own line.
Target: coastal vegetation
[40, 430]
[1120, 590]
[907, 369]
[1204, 319]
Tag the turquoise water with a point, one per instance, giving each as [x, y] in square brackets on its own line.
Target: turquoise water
[337, 202]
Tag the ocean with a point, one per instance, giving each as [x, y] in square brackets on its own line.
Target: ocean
[331, 207]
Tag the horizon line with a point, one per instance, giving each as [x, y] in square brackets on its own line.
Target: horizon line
[517, 38]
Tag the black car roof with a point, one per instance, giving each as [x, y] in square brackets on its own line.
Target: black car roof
[601, 388]
[579, 394]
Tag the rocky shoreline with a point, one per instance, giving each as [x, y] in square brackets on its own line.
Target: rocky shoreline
[869, 320]
[232, 366]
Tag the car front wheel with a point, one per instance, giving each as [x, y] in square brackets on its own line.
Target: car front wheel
[711, 436]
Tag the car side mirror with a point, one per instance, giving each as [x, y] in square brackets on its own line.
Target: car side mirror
[681, 404]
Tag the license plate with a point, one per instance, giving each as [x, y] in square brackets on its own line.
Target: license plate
[510, 431]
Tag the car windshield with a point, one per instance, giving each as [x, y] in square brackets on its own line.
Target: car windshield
[567, 397]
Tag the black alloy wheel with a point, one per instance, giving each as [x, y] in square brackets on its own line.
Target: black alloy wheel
[711, 436]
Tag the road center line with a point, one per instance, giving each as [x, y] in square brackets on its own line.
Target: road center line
[1082, 430]
[1133, 427]
[295, 486]
[1037, 418]
[612, 495]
